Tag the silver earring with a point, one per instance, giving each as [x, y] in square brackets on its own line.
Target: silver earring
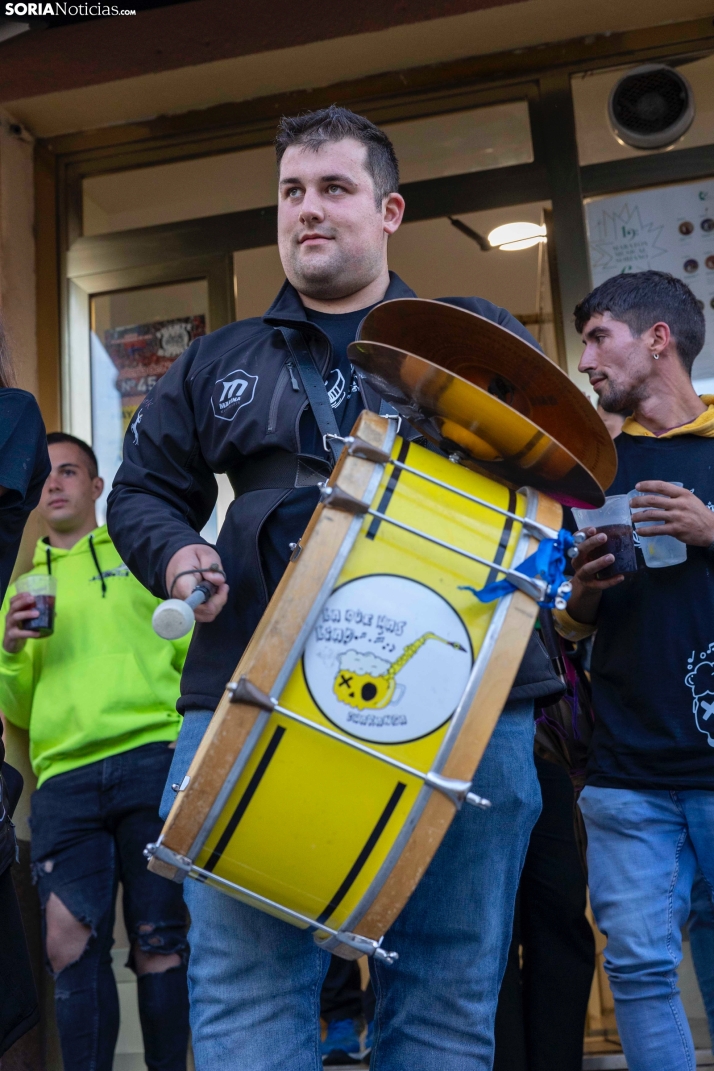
[656, 356]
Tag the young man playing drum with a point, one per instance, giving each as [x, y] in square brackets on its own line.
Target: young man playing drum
[234, 402]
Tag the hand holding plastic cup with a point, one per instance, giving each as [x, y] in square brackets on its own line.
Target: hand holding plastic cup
[658, 551]
[43, 589]
[615, 521]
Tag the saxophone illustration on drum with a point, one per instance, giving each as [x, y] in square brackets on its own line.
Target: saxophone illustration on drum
[367, 682]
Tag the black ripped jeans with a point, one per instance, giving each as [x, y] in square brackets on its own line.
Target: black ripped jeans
[89, 829]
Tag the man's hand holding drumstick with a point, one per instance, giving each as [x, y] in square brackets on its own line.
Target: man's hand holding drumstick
[187, 568]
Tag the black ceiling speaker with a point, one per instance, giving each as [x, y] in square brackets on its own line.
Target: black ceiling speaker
[651, 106]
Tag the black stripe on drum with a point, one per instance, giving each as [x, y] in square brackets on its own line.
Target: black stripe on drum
[241, 808]
[364, 854]
[389, 490]
[505, 536]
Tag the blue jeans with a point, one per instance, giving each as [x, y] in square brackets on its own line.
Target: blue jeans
[255, 981]
[701, 937]
[644, 847]
[89, 829]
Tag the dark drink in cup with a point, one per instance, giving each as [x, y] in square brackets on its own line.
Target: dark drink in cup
[615, 521]
[43, 589]
[621, 545]
[45, 623]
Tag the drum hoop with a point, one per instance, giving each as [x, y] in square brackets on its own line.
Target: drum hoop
[469, 695]
[293, 657]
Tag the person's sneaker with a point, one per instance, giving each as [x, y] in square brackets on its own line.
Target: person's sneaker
[368, 1042]
[341, 1045]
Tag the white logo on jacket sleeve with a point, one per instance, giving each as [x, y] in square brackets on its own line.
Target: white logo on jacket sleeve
[233, 392]
[135, 427]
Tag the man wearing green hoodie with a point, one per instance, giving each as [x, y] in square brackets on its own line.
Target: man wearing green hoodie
[98, 697]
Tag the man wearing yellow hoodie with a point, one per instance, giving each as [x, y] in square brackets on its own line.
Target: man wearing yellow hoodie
[648, 803]
[98, 697]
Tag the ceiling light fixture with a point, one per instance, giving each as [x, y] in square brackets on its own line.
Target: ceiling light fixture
[512, 236]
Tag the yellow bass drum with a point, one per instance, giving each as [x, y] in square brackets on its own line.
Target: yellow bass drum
[358, 714]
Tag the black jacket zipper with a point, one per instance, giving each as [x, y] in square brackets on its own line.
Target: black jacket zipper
[286, 372]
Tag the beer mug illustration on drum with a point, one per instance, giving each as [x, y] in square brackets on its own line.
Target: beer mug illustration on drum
[388, 660]
[366, 681]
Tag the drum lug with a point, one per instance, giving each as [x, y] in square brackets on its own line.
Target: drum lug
[336, 498]
[244, 691]
[364, 946]
[458, 792]
[359, 448]
[165, 855]
[368, 947]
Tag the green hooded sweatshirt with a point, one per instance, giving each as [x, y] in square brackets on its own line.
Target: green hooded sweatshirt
[103, 682]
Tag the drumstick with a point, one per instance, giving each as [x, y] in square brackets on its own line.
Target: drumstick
[174, 617]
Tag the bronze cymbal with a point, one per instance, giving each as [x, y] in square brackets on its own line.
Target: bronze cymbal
[491, 357]
[471, 385]
[461, 418]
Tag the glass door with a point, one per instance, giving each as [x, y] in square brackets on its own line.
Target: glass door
[124, 330]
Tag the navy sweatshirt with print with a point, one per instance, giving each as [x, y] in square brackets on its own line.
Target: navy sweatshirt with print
[653, 659]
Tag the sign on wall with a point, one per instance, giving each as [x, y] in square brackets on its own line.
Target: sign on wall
[142, 354]
[670, 228]
[125, 365]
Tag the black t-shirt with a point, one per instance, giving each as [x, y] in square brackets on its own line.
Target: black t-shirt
[653, 657]
[24, 467]
[288, 522]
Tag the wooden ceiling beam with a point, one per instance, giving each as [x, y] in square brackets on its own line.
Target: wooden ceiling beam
[383, 96]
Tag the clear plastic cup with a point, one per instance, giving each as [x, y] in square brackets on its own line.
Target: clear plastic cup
[615, 520]
[43, 589]
[658, 551]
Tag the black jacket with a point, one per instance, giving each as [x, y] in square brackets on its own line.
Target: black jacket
[230, 402]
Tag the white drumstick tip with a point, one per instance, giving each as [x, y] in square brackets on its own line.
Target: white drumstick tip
[172, 619]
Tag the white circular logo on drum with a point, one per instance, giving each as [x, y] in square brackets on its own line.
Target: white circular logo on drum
[388, 660]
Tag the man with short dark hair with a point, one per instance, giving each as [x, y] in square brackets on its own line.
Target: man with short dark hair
[649, 799]
[97, 695]
[234, 402]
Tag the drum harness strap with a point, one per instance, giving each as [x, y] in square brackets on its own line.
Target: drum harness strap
[278, 468]
[281, 469]
[315, 389]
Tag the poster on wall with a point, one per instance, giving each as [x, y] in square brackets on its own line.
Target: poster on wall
[126, 363]
[670, 228]
[142, 354]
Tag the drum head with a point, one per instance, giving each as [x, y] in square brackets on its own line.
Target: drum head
[472, 386]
